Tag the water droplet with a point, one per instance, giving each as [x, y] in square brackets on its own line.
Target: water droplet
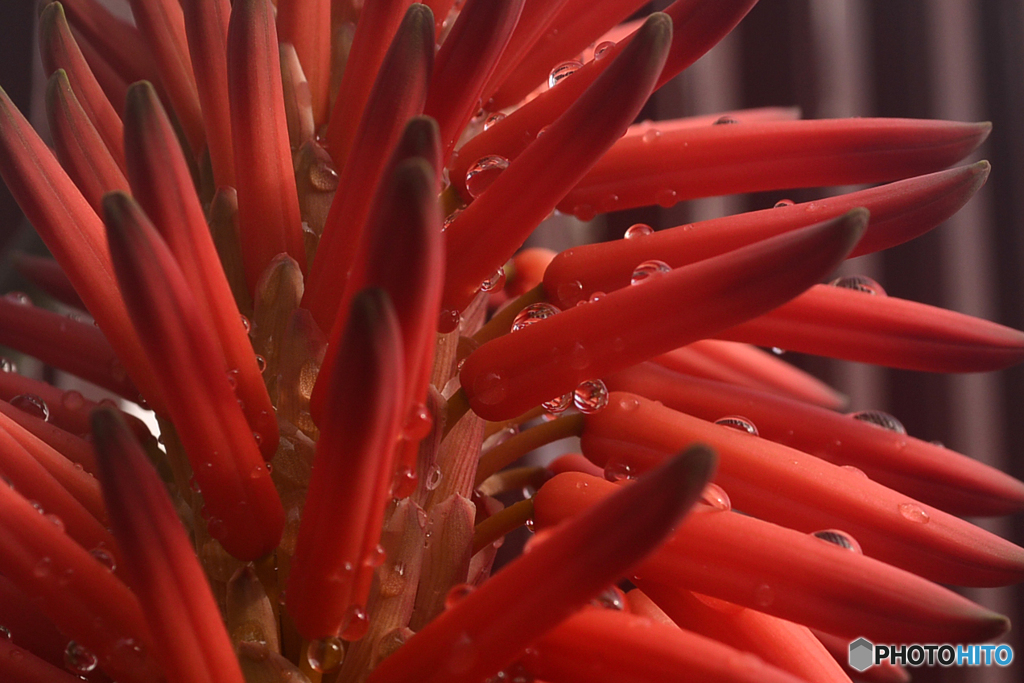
[78, 659]
[55, 520]
[246, 325]
[914, 512]
[33, 405]
[494, 282]
[724, 121]
[484, 172]
[839, 538]
[261, 363]
[104, 557]
[648, 269]
[638, 230]
[764, 595]
[448, 321]
[610, 598]
[563, 71]
[601, 51]
[859, 283]
[880, 419]
[450, 218]
[7, 365]
[618, 471]
[19, 298]
[457, 594]
[778, 351]
[493, 119]
[737, 422]
[559, 404]
[784, 202]
[433, 478]
[590, 396]
[651, 135]
[43, 568]
[418, 424]
[490, 388]
[232, 376]
[629, 403]
[404, 482]
[595, 297]
[531, 314]
[323, 177]
[5, 632]
[715, 497]
[325, 655]
[389, 643]
[584, 212]
[355, 624]
[569, 293]
[666, 198]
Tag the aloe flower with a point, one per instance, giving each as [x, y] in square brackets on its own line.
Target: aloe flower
[298, 231]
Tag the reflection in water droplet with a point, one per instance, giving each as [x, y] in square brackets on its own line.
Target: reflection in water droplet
[78, 659]
[783, 202]
[839, 538]
[457, 594]
[601, 51]
[55, 520]
[493, 119]
[880, 419]
[563, 71]
[433, 478]
[859, 283]
[666, 198]
[914, 512]
[737, 422]
[559, 404]
[531, 314]
[325, 655]
[484, 172]
[714, 497]
[590, 396]
[494, 282]
[33, 405]
[638, 230]
[648, 269]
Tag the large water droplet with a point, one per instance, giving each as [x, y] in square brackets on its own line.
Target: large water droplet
[457, 594]
[737, 422]
[590, 396]
[839, 538]
[323, 177]
[615, 470]
[531, 314]
[715, 498]
[78, 659]
[559, 404]
[914, 512]
[484, 172]
[494, 282]
[325, 655]
[859, 283]
[33, 405]
[638, 230]
[563, 71]
[880, 419]
[666, 198]
[648, 269]
[651, 135]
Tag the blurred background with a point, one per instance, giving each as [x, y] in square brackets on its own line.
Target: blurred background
[950, 59]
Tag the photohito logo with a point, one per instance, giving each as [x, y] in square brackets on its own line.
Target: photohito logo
[865, 654]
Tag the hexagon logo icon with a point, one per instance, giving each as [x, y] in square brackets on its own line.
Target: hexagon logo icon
[862, 654]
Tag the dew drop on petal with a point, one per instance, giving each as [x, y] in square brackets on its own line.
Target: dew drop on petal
[389, 643]
[764, 595]
[666, 198]
[724, 121]
[5, 632]
[881, 420]
[610, 598]
[651, 135]
[448, 321]
[778, 351]
[261, 363]
[590, 396]
[246, 325]
[78, 659]
[33, 405]
[715, 498]
[563, 71]
[618, 471]
[601, 51]
[569, 293]
[559, 404]
[433, 477]
[638, 230]
[457, 594]
[531, 314]
[648, 269]
[737, 422]
[104, 557]
[484, 172]
[493, 119]
[839, 538]
[418, 423]
[494, 282]
[19, 298]
[450, 218]
[914, 513]
[629, 403]
[355, 624]
[55, 520]
[7, 365]
[325, 655]
[783, 202]
[859, 283]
